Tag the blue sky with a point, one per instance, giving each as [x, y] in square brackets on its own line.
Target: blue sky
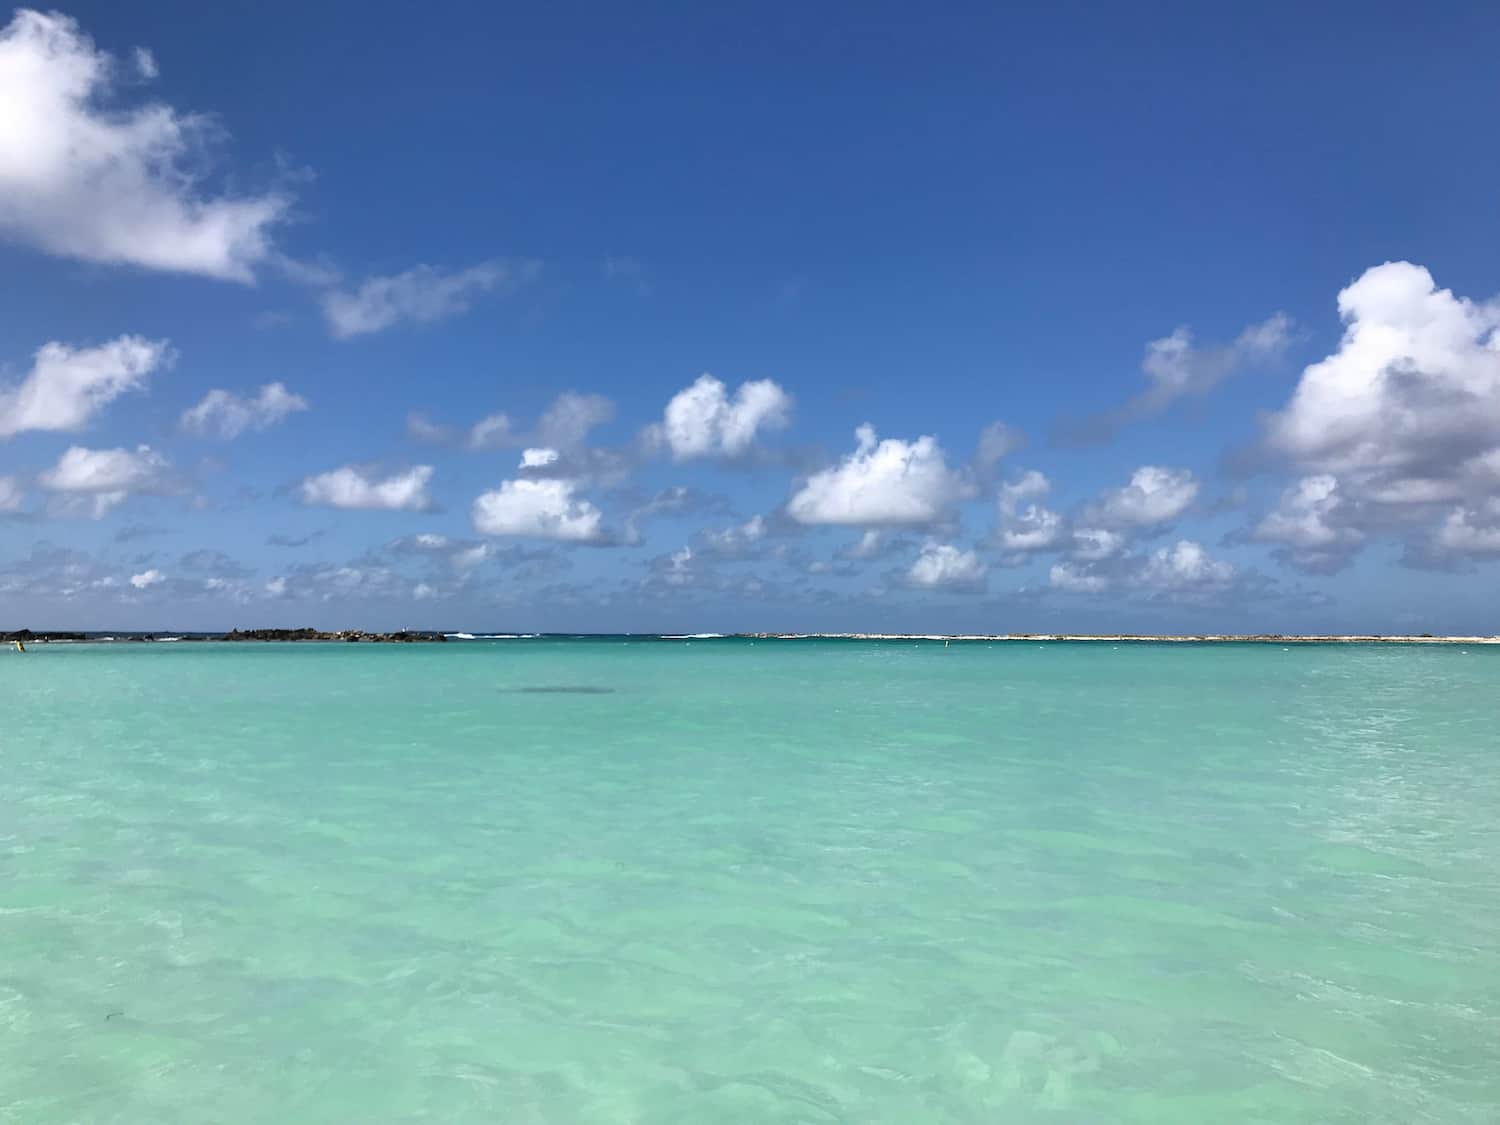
[1159, 317]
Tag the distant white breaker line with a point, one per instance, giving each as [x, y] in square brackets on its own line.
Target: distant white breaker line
[1201, 638]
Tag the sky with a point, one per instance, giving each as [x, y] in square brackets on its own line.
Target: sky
[1156, 317]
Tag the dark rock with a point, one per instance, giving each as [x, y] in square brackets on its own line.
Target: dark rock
[350, 636]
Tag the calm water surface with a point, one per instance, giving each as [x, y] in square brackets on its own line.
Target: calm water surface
[568, 881]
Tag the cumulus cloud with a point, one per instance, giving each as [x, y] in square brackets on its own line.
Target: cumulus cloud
[82, 180]
[1185, 565]
[1176, 367]
[147, 578]
[538, 458]
[1183, 571]
[1021, 532]
[95, 481]
[1155, 495]
[354, 489]
[703, 420]
[1091, 544]
[1312, 525]
[1470, 531]
[1027, 486]
[1031, 530]
[1409, 406]
[67, 386]
[944, 565]
[881, 484]
[1397, 432]
[538, 509]
[1399, 429]
[422, 294]
[227, 415]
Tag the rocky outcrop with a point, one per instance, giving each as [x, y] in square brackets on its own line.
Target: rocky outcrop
[28, 636]
[353, 636]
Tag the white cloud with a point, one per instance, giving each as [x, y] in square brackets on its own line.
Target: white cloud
[1466, 531]
[1407, 411]
[67, 386]
[1019, 533]
[12, 495]
[1155, 495]
[227, 415]
[1175, 367]
[1035, 529]
[1027, 486]
[1073, 579]
[81, 180]
[703, 421]
[1094, 543]
[351, 488]
[539, 509]
[1311, 522]
[491, 432]
[147, 578]
[943, 564]
[421, 294]
[1182, 566]
[99, 480]
[1183, 571]
[881, 484]
[538, 458]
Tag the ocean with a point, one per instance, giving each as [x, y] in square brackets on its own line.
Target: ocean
[711, 881]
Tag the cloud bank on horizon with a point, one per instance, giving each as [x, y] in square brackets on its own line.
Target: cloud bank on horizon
[382, 420]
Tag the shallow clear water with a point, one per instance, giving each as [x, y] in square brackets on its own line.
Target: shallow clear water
[737, 882]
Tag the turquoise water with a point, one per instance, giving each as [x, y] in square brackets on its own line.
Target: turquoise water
[749, 882]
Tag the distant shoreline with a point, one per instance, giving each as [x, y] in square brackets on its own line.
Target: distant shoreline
[421, 636]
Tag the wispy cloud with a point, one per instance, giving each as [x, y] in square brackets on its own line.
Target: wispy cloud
[422, 294]
[226, 415]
